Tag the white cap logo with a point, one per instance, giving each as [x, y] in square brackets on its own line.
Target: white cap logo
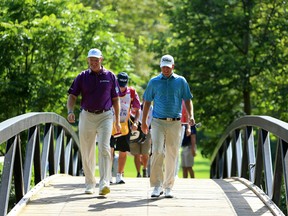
[95, 53]
[167, 60]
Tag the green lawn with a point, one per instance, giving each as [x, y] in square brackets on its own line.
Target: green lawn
[201, 167]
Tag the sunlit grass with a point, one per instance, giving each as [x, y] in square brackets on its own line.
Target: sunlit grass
[201, 167]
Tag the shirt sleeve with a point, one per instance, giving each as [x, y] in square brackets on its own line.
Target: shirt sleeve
[187, 95]
[115, 87]
[75, 88]
[149, 92]
[136, 101]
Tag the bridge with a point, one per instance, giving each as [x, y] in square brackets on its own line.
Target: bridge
[41, 173]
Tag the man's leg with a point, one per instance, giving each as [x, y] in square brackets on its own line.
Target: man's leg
[87, 137]
[145, 158]
[137, 162]
[105, 121]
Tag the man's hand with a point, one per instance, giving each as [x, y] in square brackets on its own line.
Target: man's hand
[193, 151]
[144, 128]
[71, 117]
[70, 104]
[134, 126]
[191, 121]
[118, 127]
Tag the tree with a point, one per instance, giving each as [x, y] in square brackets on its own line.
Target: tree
[234, 54]
[139, 21]
[44, 45]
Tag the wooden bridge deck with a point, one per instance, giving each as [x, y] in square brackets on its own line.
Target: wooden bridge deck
[64, 195]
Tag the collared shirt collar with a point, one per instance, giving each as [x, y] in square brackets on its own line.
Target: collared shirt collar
[163, 77]
[123, 93]
[102, 70]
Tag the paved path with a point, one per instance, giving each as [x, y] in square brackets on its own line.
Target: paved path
[64, 195]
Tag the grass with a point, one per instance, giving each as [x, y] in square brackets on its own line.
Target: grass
[201, 166]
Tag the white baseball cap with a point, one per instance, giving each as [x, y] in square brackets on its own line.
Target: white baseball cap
[167, 60]
[94, 53]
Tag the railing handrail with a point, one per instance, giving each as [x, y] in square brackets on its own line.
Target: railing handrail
[17, 124]
[58, 152]
[268, 123]
[235, 154]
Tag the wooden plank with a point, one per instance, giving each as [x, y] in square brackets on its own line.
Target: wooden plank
[64, 195]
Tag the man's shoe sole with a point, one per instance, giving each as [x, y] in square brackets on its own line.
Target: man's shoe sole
[89, 191]
[154, 195]
[105, 190]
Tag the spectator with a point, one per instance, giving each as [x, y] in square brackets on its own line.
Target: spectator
[188, 151]
[140, 148]
[129, 99]
[184, 121]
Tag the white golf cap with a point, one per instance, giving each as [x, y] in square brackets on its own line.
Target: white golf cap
[94, 53]
[167, 60]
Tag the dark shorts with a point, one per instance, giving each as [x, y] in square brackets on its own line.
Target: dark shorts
[120, 143]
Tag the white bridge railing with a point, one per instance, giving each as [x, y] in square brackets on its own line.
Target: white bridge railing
[37, 145]
[255, 148]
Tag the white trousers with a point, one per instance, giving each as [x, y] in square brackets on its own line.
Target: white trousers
[94, 127]
[166, 136]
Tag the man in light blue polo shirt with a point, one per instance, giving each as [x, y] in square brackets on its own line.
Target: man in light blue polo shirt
[166, 91]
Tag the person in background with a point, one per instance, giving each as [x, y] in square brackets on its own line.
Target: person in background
[96, 118]
[129, 99]
[188, 151]
[184, 122]
[167, 90]
[140, 148]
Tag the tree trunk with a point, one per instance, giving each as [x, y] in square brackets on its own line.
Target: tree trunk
[247, 102]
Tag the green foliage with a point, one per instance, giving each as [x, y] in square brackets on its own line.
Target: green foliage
[139, 21]
[234, 55]
[44, 45]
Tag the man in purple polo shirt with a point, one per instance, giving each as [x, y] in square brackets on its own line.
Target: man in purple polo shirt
[99, 91]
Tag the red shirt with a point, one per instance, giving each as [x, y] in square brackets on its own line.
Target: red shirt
[184, 117]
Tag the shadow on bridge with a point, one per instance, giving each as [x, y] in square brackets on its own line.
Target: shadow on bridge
[64, 195]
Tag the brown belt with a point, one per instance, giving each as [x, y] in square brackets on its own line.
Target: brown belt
[97, 111]
[169, 119]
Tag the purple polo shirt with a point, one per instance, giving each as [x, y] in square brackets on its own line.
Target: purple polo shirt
[97, 90]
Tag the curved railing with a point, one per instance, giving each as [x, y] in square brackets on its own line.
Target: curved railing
[37, 145]
[266, 168]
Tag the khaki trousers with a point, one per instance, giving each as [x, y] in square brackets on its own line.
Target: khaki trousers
[94, 127]
[166, 136]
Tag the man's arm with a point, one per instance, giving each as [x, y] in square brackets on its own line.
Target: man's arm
[116, 106]
[146, 107]
[193, 144]
[136, 119]
[70, 107]
[190, 111]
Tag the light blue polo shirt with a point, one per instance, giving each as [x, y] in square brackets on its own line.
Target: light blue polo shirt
[167, 95]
